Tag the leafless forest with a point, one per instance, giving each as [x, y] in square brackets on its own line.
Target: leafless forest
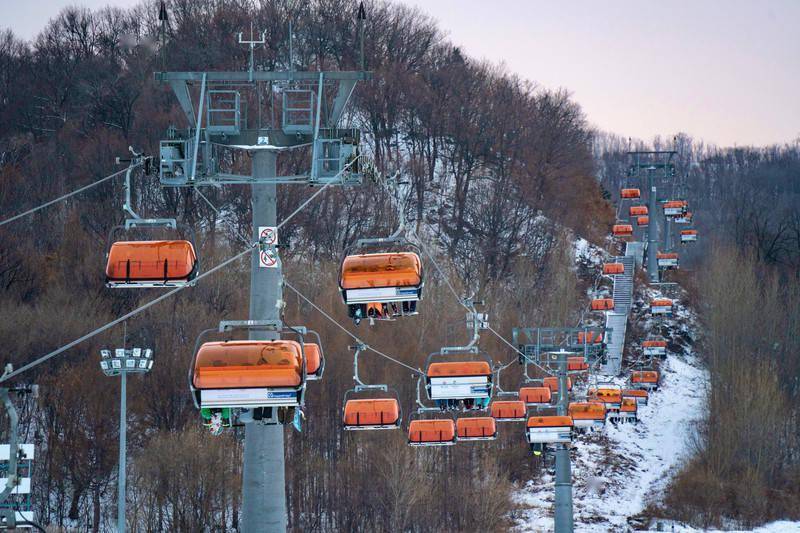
[504, 174]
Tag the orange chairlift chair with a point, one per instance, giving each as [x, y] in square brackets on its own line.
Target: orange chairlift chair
[630, 194]
[602, 304]
[608, 394]
[148, 263]
[667, 260]
[577, 364]
[381, 285]
[688, 235]
[675, 208]
[611, 269]
[536, 396]
[432, 432]
[654, 347]
[661, 306]
[380, 412]
[628, 411]
[589, 337]
[643, 221]
[588, 415]
[622, 230]
[506, 410]
[645, 379]
[476, 428]
[639, 395]
[637, 210]
[551, 382]
[253, 377]
[543, 430]
[459, 384]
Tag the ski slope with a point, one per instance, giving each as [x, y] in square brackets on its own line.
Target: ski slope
[616, 473]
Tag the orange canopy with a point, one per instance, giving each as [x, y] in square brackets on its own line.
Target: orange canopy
[459, 368]
[508, 409]
[637, 210]
[587, 411]
[628, 405]
[605, 395]
[577, 364]
[622, 230]
[549, 421]
[151, 261]
[644, 376]
[634, 393]
[431, 431]
[630, 193]
[658, 302]
[535, 394]
[238, 364]
[484, 426]
[613, 268]
[642, 221]
[688, 232]
[590, 336]
[551, 382]
[666, 255]
[381, 270]
[371, 412]
[654, 344]
[602, 304]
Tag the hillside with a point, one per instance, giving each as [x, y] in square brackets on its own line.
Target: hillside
[490, 206]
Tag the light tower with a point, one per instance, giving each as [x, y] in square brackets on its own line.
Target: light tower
[120, 363]
[263, 113]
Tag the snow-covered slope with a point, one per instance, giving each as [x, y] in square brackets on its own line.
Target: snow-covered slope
[616, 473]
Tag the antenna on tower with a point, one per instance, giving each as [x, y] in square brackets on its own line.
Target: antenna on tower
[362, 16]
[253, 42]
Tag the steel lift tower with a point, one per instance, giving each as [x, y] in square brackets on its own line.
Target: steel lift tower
[262, 114]
[656, 164]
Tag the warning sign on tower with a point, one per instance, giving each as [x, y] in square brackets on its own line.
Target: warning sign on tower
[268, 238]
[268, 235]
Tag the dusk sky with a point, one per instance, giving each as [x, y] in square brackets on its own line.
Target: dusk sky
[726, 71]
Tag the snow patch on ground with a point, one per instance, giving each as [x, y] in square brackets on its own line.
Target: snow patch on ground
[588, 254]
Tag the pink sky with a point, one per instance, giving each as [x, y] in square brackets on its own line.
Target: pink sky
[727, 71]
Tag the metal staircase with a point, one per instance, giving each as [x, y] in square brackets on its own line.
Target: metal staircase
[617, 320]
